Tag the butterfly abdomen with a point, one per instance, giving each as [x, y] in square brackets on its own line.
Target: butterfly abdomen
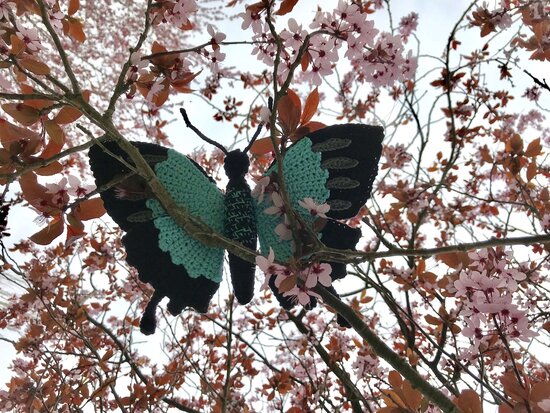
[240, 224]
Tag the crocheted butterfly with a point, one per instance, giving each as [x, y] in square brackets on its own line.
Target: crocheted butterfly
[335, 165]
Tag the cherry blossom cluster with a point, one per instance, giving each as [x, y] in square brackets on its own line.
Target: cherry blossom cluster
[298, 282]
[176, 13]
[302, 281]
[377, 57]
[66, 187]
[490, 309]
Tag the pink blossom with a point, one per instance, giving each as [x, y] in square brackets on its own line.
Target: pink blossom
[56, 18]
[60, 191]
[5, 9]
[317, 273]
[137, 65]
[29, 37]
[217, 37]
[156, 88]
[268, 267]
[313, 208]
[284, 231]
[278, 207]
[544, 405]
[251, 19]
[260, 188]
[532, 93]
[301, 294]
[408, 24]
[294, 37]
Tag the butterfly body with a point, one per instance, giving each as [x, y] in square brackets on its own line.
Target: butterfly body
[335, 165]
[240, 223]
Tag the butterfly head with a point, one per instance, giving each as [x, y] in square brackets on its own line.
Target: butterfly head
[236, 164]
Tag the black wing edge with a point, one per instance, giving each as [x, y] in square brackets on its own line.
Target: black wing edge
[154, 266]
[351, 154]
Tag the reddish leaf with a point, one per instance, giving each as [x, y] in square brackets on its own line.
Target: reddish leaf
[22, 113]
[67, 114]
[90, 209]
[34, 66]
[310, 108]
[534, 148]
[33, 192]
[73, 28]
[395, 379]
[531, 170]
[74, 5]
[289, 111]
[34, 103]
[262, 146]
[74, 233]
[469, 402]
[51, 149]
[51, 169]
[161, 97]
[10, 133]
[286, 7]
[454, 259]
[17, 45]
[48, 234]
[55, 132]
[306, 60]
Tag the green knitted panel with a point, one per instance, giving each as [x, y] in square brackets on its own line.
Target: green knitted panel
[304, 178]
[191, 189]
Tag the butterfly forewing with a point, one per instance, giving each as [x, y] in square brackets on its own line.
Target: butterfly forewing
[177, 266]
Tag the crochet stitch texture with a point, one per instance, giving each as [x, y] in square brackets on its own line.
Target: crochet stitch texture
[303, 177]
[199, 259]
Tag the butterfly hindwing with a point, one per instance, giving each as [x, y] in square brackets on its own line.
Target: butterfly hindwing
[335, 165]
[175, 264]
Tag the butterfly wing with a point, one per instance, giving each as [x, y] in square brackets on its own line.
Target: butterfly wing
[335, 165]
[176, 265]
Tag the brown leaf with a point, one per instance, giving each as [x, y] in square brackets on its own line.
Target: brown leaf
[74, 5]
[310, 108]
[55, 132]
[10, 134]
[286, 7]
[287, 284]
[17, 45]
[454, 259]
[395, 379]
[74, 28]
[90, 209]
[262, 146]
[534, 148]
[48, 234]
[51, 169]
[514, 144]
[67, 114]
[22, 113]
[513, 388]
[531, 170]
[289, 112]
[469, 402]
[413, 397]
[34, 103]
[34, 66]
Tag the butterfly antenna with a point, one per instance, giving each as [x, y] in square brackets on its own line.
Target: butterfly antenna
[256, 134]
[199, 133]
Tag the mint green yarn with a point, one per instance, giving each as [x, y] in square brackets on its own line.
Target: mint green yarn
[304, 178]
[191, 189]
